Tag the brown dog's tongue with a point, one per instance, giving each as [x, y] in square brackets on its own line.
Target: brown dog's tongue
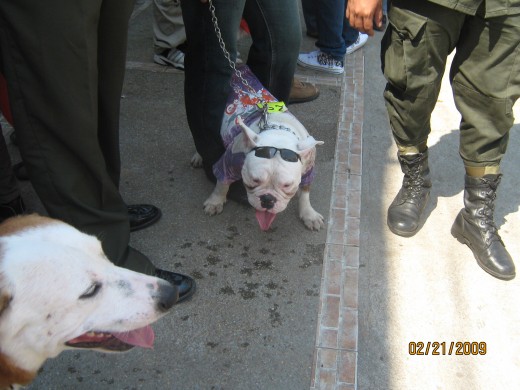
[142, 337]
[265, 219]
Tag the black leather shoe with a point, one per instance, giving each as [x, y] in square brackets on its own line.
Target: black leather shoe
[11, 209]
[142, 215]
[185, 284]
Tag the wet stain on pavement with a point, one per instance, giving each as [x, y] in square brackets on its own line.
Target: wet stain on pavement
[249, 291]
[228, 290]
[313, 255]
[274, 316]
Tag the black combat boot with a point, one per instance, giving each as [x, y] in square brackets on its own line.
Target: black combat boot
[474, 226]
[405, 211]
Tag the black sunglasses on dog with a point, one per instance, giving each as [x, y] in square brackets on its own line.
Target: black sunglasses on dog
[270, 151]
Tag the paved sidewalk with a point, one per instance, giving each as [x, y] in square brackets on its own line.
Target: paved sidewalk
[429, 288]
[293, 309]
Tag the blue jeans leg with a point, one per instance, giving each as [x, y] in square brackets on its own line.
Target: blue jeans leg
[331, 17]
[310, 12]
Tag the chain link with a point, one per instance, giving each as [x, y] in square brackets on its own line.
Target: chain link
[233, 64]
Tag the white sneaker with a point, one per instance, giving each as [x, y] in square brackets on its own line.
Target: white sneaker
[172, 57]
[360, 42]
[320, 61]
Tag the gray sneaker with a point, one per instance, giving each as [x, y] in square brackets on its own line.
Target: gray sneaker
[360, 42]
[321, 61]
[171, 57]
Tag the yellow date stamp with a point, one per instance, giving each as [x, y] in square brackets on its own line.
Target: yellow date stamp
[462, 348]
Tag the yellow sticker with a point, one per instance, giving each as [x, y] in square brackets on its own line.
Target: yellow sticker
[273, 107]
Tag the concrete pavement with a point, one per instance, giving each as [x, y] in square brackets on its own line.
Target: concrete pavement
[293, 309]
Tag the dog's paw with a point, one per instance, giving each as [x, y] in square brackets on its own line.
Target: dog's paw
[312, 219]
[196, 161]
[211, 208]
[215, 203]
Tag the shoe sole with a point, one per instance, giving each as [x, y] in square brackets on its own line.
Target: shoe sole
[165, 62]
[460, 238]
[188, 296]
[313, 67]
[356, 49]
[303, 100]
[148, 223]
[401, 232]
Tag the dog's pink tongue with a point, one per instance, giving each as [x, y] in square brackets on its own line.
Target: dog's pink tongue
[142, 337]
[265, 219]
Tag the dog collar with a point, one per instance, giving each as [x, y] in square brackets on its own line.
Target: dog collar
[271, 126]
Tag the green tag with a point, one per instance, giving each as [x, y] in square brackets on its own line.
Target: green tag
[273, 107]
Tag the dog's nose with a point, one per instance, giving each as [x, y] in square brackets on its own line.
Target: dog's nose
[168, 296]
[267, 201]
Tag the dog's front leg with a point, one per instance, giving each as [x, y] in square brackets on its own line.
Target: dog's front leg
[310, 217]
[215, 203]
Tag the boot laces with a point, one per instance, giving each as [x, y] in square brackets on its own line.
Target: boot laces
[486, 214]
[413, 183]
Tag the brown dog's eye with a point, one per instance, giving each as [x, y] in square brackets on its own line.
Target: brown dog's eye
[91, 291]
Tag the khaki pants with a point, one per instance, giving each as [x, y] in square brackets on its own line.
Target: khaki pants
[168, 25]
[485, 75]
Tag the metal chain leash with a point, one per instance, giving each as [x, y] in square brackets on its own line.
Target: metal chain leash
[233, 64]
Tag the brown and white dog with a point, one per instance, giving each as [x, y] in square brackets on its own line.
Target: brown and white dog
[58, 290]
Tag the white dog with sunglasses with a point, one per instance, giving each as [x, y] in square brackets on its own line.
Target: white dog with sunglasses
[273, 157]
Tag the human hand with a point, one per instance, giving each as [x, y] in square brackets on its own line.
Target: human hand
[362, 14]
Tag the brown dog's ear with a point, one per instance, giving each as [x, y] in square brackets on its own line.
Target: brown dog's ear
[5, 298]
[4, 301]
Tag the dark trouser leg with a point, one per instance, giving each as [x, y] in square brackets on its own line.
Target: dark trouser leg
[485, 77]
[54, 57]
[414, 53]
[207, 72]
[275, 29]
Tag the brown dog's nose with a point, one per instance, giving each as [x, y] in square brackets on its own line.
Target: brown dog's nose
[267, 201]
[168, 296]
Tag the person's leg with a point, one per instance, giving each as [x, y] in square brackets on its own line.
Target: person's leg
[331, 24]
[310, 12]
[354, 40]
[485, 77]
[350, 35]
[55, 99]
[11, 202]
[207, 72]
[414, 51]
[331, 51]
[168, 25]
[275, 30]
[9, 189]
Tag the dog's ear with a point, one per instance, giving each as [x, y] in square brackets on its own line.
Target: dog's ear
[308, 143]
[250, 137]
[307, 150]
[246, 140]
